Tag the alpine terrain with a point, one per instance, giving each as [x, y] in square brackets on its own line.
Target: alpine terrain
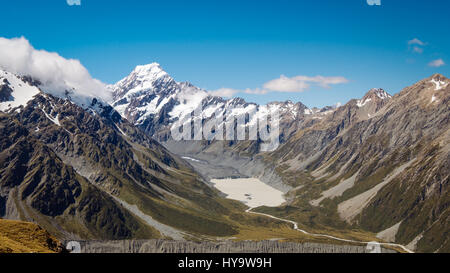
[379, 164]
[91, 168]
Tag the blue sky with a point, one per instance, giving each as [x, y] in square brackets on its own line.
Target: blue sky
[245, 44]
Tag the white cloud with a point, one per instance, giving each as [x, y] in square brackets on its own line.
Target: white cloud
[416, 45]
[229, 92]
[417, 49]
[283, 84]
[56, 73]
[224, 92]
[256, 91]
[416, 41]
[437, 63]
[301, 83]
[74, 2]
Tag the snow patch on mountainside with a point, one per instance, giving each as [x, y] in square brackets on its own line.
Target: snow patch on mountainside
[439, 84]
[362, 103]
[21, 93]
[374, 95]
[189, 99]
[382, 94]
[55, 120]
[433, 98]
[308, 112]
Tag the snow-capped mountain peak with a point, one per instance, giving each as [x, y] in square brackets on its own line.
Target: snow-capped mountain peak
[143, 80]
[151, 99]
[149, 90]
[381, 93]
[374, 95]
[149, 72]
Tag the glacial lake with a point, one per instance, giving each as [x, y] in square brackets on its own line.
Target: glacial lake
[251, 191]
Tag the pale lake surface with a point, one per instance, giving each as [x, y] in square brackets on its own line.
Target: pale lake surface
[250, 191]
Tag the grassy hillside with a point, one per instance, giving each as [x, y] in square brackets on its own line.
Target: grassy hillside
[23, 237]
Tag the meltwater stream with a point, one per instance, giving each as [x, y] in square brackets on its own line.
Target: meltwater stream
[255, 193]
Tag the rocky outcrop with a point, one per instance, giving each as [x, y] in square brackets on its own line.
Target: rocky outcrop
[5, 90]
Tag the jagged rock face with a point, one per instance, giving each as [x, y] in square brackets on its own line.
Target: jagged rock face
[410, 130]
[5, 90]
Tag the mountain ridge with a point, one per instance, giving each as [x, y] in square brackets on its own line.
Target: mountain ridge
[342, 167]
[342, 161]
[87, 173]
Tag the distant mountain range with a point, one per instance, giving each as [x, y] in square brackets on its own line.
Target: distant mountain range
[379, 163]
[95, 169]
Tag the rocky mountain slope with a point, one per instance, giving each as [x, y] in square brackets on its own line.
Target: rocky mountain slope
[83, 169]
[153, 101]
[38, 186]
[87, 173]
[379, 163]
[382, 169]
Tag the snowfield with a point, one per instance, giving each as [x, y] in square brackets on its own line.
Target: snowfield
[21, 92]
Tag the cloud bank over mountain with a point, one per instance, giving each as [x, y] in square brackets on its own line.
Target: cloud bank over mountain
[56, 73]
